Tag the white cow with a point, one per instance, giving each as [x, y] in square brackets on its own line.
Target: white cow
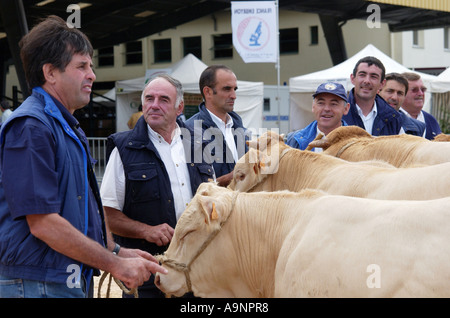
[295, 170]
[307, 244]
[353, 143]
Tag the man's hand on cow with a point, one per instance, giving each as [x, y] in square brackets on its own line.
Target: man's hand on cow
[131, 252]
[161, 234]
[133, 272]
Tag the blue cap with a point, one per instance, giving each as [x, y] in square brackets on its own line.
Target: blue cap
[332, 88]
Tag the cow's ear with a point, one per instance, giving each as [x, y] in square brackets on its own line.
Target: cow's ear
[322, 143]
[209, 208]
[252, 144]
[269, 164]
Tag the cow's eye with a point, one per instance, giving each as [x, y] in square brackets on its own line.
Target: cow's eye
[186, 234]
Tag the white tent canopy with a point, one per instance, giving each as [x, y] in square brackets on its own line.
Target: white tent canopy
[248, 104]
[441, 83]
[302, 87]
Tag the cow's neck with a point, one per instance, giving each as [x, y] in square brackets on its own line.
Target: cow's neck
[310, 168]
[258, 234]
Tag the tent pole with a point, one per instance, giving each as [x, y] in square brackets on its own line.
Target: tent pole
[277, 66]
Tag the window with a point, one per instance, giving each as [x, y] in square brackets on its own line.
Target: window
[223, 45]
[266, 106]
[193, 45]
[133, 53]
[417, 38]
[106, 56]
[314, 34]
[162, 51]
[446, 38]
[289, 41]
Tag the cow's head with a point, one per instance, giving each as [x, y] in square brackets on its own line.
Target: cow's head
[343, 133]
[252, 169]
[268, 140]
[194, 234]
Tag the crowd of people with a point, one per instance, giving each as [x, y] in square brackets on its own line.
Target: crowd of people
[58, 228]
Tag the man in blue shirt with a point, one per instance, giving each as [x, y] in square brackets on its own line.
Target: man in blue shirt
[367, 109]
[329, 105]
[53, 237]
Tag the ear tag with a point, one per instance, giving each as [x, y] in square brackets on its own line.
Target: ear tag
[262, 164]
[214, 215]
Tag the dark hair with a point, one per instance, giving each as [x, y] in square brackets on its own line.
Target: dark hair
[208, 76]
[371, 60]
[398, 78]
[50, 41]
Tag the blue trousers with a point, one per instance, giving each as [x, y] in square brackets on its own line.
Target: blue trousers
[23, 288]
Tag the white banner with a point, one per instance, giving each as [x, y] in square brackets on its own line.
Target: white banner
[255, 30]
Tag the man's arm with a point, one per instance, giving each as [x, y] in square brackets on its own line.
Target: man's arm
[61, 236]
[122, 225]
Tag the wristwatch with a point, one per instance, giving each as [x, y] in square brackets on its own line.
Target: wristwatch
[116, 249]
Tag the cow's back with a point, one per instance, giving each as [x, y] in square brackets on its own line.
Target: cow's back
[351, 247]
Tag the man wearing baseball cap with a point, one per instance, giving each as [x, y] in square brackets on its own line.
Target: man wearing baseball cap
[329, 105]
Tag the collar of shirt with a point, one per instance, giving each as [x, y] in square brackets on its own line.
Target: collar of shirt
[317, 149]
[226, 129]
[420, 117]
[371, 114]
[219, 122]
[72, 121]
[369, 119]
[174, 159]
[157, 138]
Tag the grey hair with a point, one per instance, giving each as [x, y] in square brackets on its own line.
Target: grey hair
[175, 83]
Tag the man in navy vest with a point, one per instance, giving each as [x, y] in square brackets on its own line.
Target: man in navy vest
[367, 109]
[413, 104]
[152, 174]
[52, 233]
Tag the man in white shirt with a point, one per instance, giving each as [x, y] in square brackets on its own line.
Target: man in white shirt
[367, 109]
[150, 176]
[221, 128]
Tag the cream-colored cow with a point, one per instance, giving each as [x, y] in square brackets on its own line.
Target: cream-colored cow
[280, 167]
[307, 244]
[353, 143]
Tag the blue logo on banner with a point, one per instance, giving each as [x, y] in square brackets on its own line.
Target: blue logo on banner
[255, 36]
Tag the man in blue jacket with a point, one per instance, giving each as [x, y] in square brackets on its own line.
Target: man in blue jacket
[329, 105]
[216, 125]
[152, 174]
[53, 237]
[413, 105]
[367, 109]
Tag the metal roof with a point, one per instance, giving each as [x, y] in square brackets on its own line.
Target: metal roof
[111, 22]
